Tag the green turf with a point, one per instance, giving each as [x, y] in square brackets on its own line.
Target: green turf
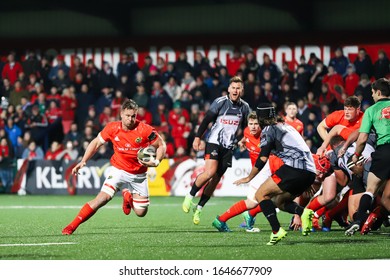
[166, 233]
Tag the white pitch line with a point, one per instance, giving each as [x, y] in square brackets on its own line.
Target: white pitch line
[79, 206]
[37, 244]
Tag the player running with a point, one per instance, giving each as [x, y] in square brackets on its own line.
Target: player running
[228, 113]
[127, 136]
[292, 175]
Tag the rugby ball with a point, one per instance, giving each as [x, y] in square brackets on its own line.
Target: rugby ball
[147, 154]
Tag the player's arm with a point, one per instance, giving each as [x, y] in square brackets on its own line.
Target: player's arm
[322, 129]
[208, 118]
[92, 148]
[260, 163]
[351, 138]
[161, 148]
[360, 144]
[241, 144]
[336, 130]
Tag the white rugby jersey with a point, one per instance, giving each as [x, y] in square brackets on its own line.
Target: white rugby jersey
[342, 162]
[285, 142]
[230, 116]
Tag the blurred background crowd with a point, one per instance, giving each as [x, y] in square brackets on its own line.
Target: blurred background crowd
[51, 110]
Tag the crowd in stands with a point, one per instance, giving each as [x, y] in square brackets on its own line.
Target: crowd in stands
[51, 110]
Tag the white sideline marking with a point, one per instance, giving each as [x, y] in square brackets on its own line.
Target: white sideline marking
[37, 244]
[79, 206]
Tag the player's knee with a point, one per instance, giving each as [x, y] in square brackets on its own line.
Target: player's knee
[141, 212]
[141, 204]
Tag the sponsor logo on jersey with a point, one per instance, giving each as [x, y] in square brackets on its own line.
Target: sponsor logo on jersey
[230, 122]
[385, 113]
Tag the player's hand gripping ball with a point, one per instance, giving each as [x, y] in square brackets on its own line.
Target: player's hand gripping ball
[147, 154]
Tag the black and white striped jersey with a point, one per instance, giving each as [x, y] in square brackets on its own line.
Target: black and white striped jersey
[229, 117]
[285, 142]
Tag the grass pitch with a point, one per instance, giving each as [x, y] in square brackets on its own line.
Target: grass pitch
[30, 229]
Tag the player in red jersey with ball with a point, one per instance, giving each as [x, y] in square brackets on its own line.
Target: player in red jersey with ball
[128, 173]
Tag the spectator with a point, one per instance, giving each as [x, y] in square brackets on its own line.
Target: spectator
[61, 80]
[89, 134]
[18, 93]
[127, 66]
[31, 64]
[13, 132]
[33, 152]
[176, 113]
[233, 63]
[170, 72]
[76, 68]
[68, 154]
[43, 73]
[251, 64]
[73, 136]
[182, 65]
[106, 77]
[287, 94]
[144, 115]
[202, 88]
[302, 81]
[339, 62]
[68, 106]
[92, 119]
[6, 164]
[104, 100]
[92, 76]
[223, 77]
[37, 123]
[116, 104]
[161, 65]
[317, 77]
[364, 89]
[54, 151]
[351, 80]
[173, 89]
[287, 76]
[148, 63]
[140, 97]
[334, 81]
[180, 133]
[125, 86]
[158, 96]
[105, 116]
[363, 63]
[201, 63]
[382, 66]
[170, 151]
[188, 82]
[54, 118]
[269, 66]
[326, 97]
[60, 65]
[160, 117]
[84, 99]
[54, 95]
[12, 69]
[6, 88]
